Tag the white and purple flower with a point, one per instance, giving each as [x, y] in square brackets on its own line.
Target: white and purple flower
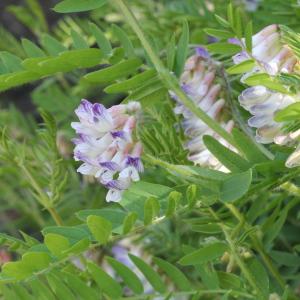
[198, 81]
[273, 57]
[105, 145]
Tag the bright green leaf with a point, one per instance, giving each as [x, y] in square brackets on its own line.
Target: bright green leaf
[100, 228]
[242, 67]
[56, 243]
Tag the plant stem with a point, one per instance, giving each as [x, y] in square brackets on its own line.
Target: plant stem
[168, 79]
[258, 245]
[56, 217]
[191, 293]
[236, 256]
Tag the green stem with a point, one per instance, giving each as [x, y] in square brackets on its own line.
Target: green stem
[236, 256]
[291, 188]
[193, 292]
[174, 168]
[258, 246]
[56, 217]
[169, 80]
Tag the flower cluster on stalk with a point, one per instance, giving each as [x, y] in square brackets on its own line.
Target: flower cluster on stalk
[105, 145]
[198, 81]
[273, 57]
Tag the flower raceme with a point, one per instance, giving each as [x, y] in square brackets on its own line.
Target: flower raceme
[199, 82]
[273, 57]
[268, 49]
[105, 145]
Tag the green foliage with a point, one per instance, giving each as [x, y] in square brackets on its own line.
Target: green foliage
[195, 232]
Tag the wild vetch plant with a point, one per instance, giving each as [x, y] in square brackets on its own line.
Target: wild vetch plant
[178, 178]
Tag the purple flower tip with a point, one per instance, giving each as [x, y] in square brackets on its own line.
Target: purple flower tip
[114, 184]
[86, 105]
[186, 88]
[134, 162]
[212, 39]
[112, 166]
[98, 109]
[118, 134]
[202, 52]
[234, 41]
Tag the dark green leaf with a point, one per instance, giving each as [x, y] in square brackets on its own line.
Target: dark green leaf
[248, 36]
[71, 6]
[102, 41]
[248, 147]
[260, 275]
[153, 278]
[114, 72]
[222, 34]
[59, 288]
[31, 49]
[204, 254]
[228, 158]
[11, 61]
[171, 52]
[207, 228]
[224, 48]
[78, 41]
[125, 41]
[129, 277]
[52, 45]
[222, 21]
[131, 83]
[235, 186]
[174, 274]
[80, 289]
[182, 49]
[106, 283]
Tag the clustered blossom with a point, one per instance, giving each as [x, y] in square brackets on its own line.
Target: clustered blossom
[199, 82]
[273, 57]
[105, 145]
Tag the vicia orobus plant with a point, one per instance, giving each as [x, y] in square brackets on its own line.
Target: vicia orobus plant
[161, 189]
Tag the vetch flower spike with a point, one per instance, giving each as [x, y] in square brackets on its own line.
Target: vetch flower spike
[198, 81]
[105, 145]
[273, 56]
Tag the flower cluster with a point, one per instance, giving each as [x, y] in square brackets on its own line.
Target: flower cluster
[199, 83]
[105, 146]
[272, 57]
